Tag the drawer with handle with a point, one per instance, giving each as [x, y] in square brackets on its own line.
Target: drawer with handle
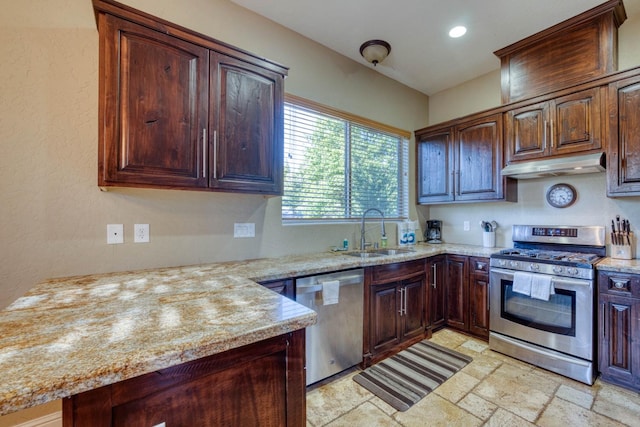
[619, 283]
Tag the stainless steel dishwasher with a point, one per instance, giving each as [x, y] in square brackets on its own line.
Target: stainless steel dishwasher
[334, 343]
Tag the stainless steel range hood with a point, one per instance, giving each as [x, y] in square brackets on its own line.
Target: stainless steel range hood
[573, 165]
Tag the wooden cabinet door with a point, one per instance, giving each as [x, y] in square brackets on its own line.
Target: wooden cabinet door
[153, 107]
[435, 167]
[526, 135]
[479, 297]
[576, 123]
[263, 381]
[619, 350]
[623, 153]
[457, 289]
[436, 270]
[478, 159]
[247, 121]
[413, 320]
[384, 317]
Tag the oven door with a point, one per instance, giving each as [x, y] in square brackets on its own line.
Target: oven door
[563, 323]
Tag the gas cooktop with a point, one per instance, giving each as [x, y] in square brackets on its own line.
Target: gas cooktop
[551, 256]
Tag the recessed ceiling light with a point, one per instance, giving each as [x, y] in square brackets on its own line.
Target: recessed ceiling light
[458, 31]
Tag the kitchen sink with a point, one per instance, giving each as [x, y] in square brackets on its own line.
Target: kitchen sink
[364, 254]
[393, 251]
[378, 252]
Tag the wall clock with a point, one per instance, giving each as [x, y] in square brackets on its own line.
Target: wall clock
[561, 195]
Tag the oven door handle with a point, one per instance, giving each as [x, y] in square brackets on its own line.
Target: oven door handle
[560, 282]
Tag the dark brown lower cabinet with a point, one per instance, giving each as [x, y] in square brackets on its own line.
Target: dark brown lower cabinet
[467, 293]
[436, 273]
[479, 297]
[457, 306]
[396, 313]
[261, 384]
[619, 329]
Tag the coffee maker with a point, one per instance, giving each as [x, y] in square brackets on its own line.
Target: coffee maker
[433, 234]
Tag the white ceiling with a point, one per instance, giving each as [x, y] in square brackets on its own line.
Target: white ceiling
[422, 54]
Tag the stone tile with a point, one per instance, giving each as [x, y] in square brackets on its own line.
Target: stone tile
[481, 366]
[507, 359]
[475, 345]
[449, 338]
[477, 406]
[365, 415]
[384, 406]
[619, 404]
[502, 418]
[435, 411]
[456, 387]
[561, 413]
[493, 388]
[328, 402]
[578, 397]
[506, 388]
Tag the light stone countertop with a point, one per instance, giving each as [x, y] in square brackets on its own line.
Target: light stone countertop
[620, 265]
[70, 335]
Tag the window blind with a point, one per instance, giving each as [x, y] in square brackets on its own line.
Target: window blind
[336, 168]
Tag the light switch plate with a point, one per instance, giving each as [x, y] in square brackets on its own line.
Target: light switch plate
[244, 229]
[115, 234]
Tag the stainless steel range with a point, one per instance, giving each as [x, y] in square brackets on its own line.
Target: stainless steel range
[542, 298]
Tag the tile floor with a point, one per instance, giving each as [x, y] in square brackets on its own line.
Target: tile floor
[493, 390]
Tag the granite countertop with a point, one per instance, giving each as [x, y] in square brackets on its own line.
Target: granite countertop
[620, 265]
[70, 335]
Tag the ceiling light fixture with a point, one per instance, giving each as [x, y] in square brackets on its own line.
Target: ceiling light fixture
[458, 31]
[375, 51]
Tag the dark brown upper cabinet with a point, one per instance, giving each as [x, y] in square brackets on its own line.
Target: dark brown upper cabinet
[461, 162]
[623, 161]
[572, 52]
[181, 110]
[565, 125]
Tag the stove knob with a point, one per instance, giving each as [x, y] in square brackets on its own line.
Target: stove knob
[557, 269]
[572, 271]
[514, 264]
[534, 267]
[502, 262]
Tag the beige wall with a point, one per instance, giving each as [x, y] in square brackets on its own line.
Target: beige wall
[52, 215]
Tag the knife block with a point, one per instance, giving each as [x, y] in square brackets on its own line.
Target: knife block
[623, 251]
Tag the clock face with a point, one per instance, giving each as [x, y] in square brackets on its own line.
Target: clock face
[561, 195]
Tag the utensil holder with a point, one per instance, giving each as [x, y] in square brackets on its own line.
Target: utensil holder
[623, 251]
[489, 239]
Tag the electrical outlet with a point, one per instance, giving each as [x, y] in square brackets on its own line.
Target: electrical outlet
[115, 234]
[466, 226]
[245, 229]
[141, 233]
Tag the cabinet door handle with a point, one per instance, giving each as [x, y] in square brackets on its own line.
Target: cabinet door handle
[404, 305]
[434, 283]
[551, 133]
[215, 154]
[204, 152]
[401, 290]
[604, 320]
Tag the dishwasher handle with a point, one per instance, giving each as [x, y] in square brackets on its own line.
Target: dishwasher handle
[308, 289]
[314, 284]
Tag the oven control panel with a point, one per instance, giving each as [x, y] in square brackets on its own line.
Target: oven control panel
[554, 232]
[543, 268]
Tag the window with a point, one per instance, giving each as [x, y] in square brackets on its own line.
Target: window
[337, 165]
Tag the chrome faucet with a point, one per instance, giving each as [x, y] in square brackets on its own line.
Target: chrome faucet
[364, 215]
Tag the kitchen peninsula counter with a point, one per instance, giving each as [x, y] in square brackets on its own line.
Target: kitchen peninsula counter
[70, 335]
